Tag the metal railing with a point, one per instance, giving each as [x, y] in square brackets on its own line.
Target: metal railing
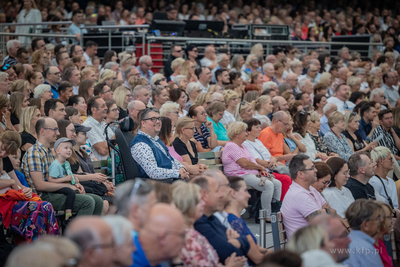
[243, 46]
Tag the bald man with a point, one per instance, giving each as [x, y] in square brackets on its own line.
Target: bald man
[95, 239]
[293, 81]
[134, 107]
[162, 237]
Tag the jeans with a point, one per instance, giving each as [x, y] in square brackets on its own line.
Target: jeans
[270, 190]
[87, 204]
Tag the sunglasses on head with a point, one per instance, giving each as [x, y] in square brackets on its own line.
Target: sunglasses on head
[5, 67]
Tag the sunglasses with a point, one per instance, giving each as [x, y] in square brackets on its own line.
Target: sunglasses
[6, 67]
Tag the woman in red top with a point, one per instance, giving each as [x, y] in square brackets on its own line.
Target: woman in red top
[386, 228]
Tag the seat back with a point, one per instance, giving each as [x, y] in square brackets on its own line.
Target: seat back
[100, 166]
[211, 159]
[278, 231]
[130, 168]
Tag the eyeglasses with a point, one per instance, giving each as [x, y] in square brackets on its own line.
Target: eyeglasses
[285, 123]
[195, 51]
[310, 169]
[242, 103]
[326, 183]
[178, 51]
[54, 129]
[56, 73]
[153, 119]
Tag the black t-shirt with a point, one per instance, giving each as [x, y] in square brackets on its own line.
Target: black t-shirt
[358, 144]
[7, 165]
[360, 190]
[122, 113]
[27, 138]
[14, 119]
[181, 149]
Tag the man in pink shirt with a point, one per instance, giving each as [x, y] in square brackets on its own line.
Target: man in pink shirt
[302, 202]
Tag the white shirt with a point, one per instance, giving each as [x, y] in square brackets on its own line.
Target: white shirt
[88, 59]
[203, 89]
[75, 90]
[258, 150]
[205, 62]
[339, 200]
[342, 106]
[390, 189]
[227, 118]
[96, 135]
[265, 121]
[309, 144]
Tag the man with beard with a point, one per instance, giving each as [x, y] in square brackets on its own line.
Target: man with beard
[222, 77]
[341, 99]
[152, 156]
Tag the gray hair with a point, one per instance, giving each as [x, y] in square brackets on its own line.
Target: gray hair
[137, 90]
[266, 65]
[216, 96]
[144, 58]
[67, 73]
[84, 237]
[3, 75]
[375, 92]
[11, 44]
[145, 113]
[297, 164]
[178, 78]
[302, 82]
[279, 115]
[40, 89]
[168, 107]
[341, 50]
[359, 71]
[374, 70]
[121, 228]
[128, 70]
[191, 87]
[220, 57]
[328, 107]
[268, 85]
[123, 199]
[109, 65]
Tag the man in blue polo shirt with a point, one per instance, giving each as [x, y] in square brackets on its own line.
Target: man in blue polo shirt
[74, 29]
[53, 76]
[369, 121]
[162, 237]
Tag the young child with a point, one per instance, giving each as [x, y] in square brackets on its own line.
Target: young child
[15, 160]
[60, 172]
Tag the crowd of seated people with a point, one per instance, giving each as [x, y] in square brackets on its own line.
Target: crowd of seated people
[312, 135]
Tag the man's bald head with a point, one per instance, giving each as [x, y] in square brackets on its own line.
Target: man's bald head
[343, 73]
[279, 103]
[279, 116]
[134, 107]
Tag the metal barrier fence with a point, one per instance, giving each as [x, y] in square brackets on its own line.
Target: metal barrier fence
[159, 47]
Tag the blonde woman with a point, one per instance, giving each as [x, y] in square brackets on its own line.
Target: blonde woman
[296, 67]
[244, 111]
[231, 99]
[354, 139]
[188, 68]
[108, 76]
[183, 145]
[251, 65]
[43, 92]
[215, 88]
[88, 73]
[159, 96]
[326, 78]
[257, 50]
[203, 99]
[39, 60]
[18, 102]
[28, 119]
[22, 86]
[262, 106]
[122, 97]
[176, 66]
[197, 251]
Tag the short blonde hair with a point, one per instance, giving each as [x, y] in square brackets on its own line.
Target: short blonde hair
[202, 98]
[182, 123]
[334, 118]
[177, 62]
[156, 77]
[229, 95]
[185, 197]
[314, 116]
[307, 238]
[119, 95]
[353, 80]
[40, 89]
[236, 128]
[213, 88]
[86, 72]
[294, 64]
[107, 74]
[380, 152]
[351, 116]
[325, 76]
[168, 107]
[191, 87]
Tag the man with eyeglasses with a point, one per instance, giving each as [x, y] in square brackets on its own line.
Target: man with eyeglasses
[152, 156]
[134, 107]
[104, 91]
[272, 136]
[215, 189]
[389, 80]
[95, 240]
[341, 99]
[293, 81]
[145, 64]
[176, 51]
[62, 60]
[161, 238]
[223, 63]
[311, 74]
[365, 219]
[141, 93]
[36, 163]
[54, 108]
[279, 104]
[53, 76]
[302, 202]
[97, 112]
[361, 169]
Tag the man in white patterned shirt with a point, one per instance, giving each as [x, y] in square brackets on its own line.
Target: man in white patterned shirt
[152, 156]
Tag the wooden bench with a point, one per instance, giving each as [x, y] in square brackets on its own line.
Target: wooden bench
[211, 159]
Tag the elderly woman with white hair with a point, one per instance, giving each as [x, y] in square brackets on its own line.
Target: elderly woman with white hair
[238, 161]
[181, 81]
[296, 67]
[43, 92]
[271, 85]
[171, 110]
[251, 64]
[231, 99]
[121, 228]
[193, 90]
[5, 83]
[376, 72]
[176, 66]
